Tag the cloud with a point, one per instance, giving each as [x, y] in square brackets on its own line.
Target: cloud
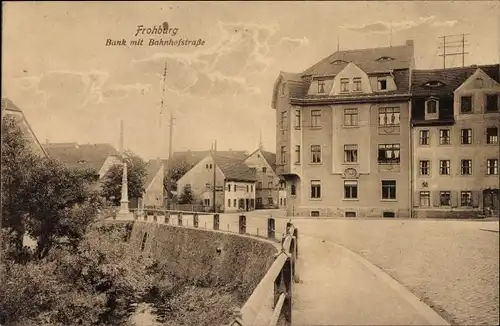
[244, 49]
[382, 27]
[123, 91]
[66, 89]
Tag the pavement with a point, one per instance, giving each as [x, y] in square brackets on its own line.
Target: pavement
[338, 287]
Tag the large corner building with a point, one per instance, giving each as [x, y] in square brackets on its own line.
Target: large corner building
[343, 138]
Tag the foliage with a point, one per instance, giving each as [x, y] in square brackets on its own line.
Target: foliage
[90, 285]
[136, 176]
[41, 196]
[186, 196]
[174, 173]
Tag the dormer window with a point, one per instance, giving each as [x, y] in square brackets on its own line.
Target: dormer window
[344, 85]
[357, 84]
[321, 86]
[382, 84]
[431, 106]
[434, 83]
[385, 59]
[339, 62]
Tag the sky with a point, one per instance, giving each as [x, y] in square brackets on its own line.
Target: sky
[73, 88]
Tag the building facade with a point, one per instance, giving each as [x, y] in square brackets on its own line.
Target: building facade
[343, 134]
[455, 119]
[234, 184]
[268, 189]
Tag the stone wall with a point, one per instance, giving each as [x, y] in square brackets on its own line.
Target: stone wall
[211, 257]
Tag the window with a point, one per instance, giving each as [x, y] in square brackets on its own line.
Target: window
[315, 153]
[388, 189]
[431, 106]
[314, 213]
[234, 202]
[270, 201]
[492, 135]
[281, 201]
[350, 117]
[350, 189]
[389, 214]
[350, 153]
[344, 85]
[357, 84]
[444, 198]
[297, 154]
[229, 203]
[388, 154]
[444, 167]
[293, 190]
[382, 84]
[466, 136]
[388, 116]
[315, 189]
[283, 154]
[491, 102]
[466, 104]
[206, 166]
[444, 137]
[210, 166]
[434, 83]
[492, 166]
[284, 120]
[425, 199]
[229, 187]
[423, 137]
[270, 185]
[207, 202]
[297, 119]
[259, 185]
[350, 214]
[284, 201]
[424, 167]
[466, 167]
[321, 86]
[466, 198]
[264, 169]
[315, 118]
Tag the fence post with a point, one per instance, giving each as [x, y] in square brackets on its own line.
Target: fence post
[216, 222]
[243, 224]
[195, 220]
[270, 228]
[287, 279]
[179, 219]
[167, 217]
[146, 216]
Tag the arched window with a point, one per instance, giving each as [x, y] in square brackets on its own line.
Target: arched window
[431, 106]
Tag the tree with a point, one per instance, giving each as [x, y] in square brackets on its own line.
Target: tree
[186, 196]
[41, 196]
[173, 175]
[136, 176]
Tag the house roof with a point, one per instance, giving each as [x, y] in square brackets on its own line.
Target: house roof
[451, 79]
[81, 156]
[234, 169]
[9, 108]
[366, 59]
[268, 156]
[152, 168]
[295, 84]
[194, 157]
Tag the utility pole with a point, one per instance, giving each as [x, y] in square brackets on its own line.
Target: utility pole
[167, 161]
[454, 42]
[215, 174]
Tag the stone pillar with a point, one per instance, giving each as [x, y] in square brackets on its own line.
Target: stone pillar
[242, 224]
[216, 221]
[124, 210]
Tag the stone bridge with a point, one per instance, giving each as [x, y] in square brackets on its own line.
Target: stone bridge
[309, 281]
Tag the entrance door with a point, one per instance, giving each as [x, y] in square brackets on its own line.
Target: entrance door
[491, 202]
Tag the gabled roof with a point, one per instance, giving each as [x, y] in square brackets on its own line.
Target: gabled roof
[191, 158]
[234, 169]
[451, 79]
[367, 59]
[9, 108]
[152, 169]
[81, 156]
[268, 156]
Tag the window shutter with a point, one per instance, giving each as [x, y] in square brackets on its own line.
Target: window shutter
[416, 199]
[454, 198]
[435, 198]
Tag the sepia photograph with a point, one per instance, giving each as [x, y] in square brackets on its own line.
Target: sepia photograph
[250, 163]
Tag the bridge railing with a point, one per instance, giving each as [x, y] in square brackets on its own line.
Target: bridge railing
[279, 277]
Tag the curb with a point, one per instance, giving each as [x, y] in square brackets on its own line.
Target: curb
[427, 312]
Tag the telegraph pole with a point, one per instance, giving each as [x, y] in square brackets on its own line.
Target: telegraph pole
[454, 42]
[215, 174]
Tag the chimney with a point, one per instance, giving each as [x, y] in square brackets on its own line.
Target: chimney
[409, 42]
